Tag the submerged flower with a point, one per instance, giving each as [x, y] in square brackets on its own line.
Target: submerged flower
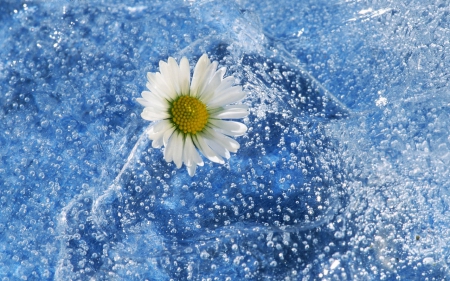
[190, 115]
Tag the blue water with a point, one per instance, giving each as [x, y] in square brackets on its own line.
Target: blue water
[342, 175]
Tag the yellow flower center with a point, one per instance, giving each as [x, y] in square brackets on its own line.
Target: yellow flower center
[189, 114]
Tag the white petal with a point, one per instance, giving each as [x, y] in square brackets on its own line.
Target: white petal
[187, 152]
[143, 102]
[231, 111]
[155, 135]
[158, 142]
[218, 148]
[208, 92]
[156, 108]
[191, 170]
[185, 76]
[233, 94]
[175, 74]
[168, 74]
[157, 90]
[167, 135]
[163, 87]
[178, 149]
[200, 143]
[199, 72]
[203, 72]
[154, 115]
[157, 85]
[149, 96]
[157, 131]
[230, 128]
[170, 148]
[206, 79]
[154, 99]
[161, 126]
[190, 154]
[168, 153]
[225, 84]
[227, 142]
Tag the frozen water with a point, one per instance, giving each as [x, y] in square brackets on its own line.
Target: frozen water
[343, 174]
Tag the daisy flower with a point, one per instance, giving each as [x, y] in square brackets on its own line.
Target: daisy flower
[189, 115]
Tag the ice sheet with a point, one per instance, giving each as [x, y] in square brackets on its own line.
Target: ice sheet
[343, 174]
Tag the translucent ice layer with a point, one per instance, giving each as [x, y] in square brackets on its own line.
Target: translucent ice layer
[342, 175]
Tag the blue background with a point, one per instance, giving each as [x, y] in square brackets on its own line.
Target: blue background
[342, 175]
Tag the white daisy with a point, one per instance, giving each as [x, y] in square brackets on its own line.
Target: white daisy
[189, 115]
